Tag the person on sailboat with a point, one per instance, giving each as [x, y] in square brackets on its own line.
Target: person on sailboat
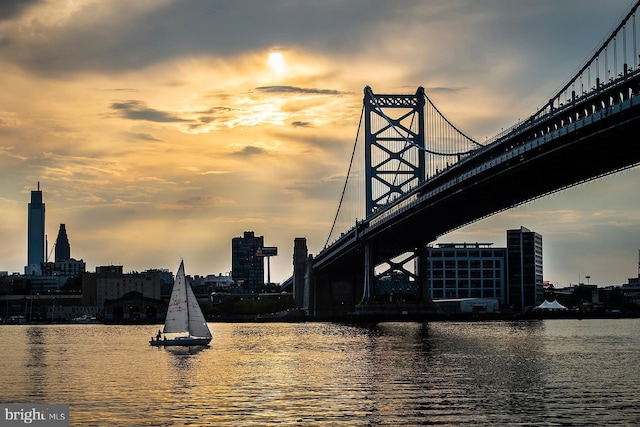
[158, 335]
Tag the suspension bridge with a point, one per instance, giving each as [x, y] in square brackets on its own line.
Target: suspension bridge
[414, 176]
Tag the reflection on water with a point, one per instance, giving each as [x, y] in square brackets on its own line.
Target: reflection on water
[559, 372]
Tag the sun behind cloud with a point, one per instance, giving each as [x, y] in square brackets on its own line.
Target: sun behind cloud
[277, 63]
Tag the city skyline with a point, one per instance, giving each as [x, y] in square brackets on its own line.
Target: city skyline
[162, 130]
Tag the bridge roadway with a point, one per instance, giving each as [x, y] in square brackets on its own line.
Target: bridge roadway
[588, 137]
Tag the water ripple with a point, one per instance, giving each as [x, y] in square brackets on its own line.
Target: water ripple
[551, 373]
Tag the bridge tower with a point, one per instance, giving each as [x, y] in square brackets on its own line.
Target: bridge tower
[394, 146]
[394, 156]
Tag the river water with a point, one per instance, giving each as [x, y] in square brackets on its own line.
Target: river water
[546, 373]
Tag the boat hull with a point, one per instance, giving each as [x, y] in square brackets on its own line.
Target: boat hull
[181, 341]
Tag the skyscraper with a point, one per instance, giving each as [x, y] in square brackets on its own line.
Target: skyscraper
[35, 232]
[63, 250]
[524, 268]
[246, 266]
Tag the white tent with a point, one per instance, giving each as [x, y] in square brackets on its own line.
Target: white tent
[555, 305]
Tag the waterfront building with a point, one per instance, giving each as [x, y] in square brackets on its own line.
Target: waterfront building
[110, 283]
[217, 282]
[247, 267]
[69, 268]
[466, 270]
[35, 234]
[134, 307]
[524, 269]
[62, 249]
[512, 275]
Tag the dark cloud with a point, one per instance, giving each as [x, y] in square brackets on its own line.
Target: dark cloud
[293, 89]
[137, 110]
[250, 151]
[106, 38]
[195, 202]
[299, 124]
[444, 90]
[9, 9]
[212, 114]
[144, 137]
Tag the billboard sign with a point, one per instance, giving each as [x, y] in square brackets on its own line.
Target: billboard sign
[267, 251]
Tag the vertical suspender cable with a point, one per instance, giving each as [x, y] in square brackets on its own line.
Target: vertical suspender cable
[615, 58]
[635, 52]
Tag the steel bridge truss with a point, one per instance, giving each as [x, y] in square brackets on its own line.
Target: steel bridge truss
[394, 155]
[394, 146]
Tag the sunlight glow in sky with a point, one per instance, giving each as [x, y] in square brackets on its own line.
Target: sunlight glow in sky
[277, 64]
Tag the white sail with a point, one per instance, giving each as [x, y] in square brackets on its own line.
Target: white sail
[177, 320]
[197, 325]
[184, 317]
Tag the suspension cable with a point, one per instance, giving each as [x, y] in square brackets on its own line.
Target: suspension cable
[344, 189]
[408, 141]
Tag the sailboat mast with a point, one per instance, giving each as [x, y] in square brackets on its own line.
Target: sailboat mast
[186, 297]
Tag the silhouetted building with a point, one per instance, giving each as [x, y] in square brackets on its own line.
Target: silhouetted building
[35, 234]
[466, 270]
[247, 268]
[134, 307]
[63, 249]
[109, 283]
[524, 269]
[300, 255]
[69, 268]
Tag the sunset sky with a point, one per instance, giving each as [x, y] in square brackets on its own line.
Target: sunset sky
[161, 129]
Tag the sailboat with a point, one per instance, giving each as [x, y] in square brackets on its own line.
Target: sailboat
[184, 321]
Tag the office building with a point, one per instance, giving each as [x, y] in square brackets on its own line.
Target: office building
[35, 234]
[524, 269]
[466, 270]
[111, 283]
[247, 267]
[512, 275]
[69, 268]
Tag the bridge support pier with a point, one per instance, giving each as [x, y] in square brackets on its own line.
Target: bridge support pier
[369, 274]
[394, 284]
[334, 296]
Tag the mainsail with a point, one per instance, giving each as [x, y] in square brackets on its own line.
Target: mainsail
[184, 314]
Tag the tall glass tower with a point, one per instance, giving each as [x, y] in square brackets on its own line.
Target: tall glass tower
[35, 237]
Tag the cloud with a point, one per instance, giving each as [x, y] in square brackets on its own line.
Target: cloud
[199, 202]
[250, 151]
[106, 37]
[300, 124]
[144, 137]
[293, 89]
[137, 110]
[318, 189]
[10, 9]
[444, 90]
